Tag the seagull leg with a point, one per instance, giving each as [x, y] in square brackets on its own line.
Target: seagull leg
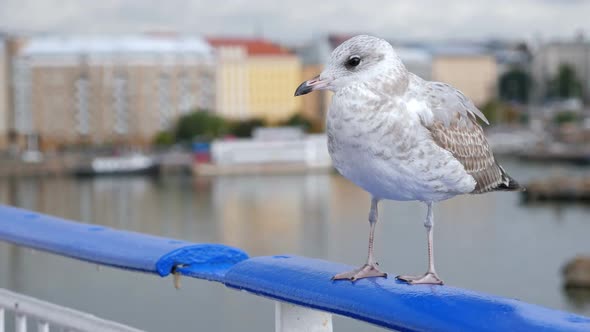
[370, 269]
[430, 277]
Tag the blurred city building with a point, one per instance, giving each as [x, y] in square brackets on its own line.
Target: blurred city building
[510, 56]
[276, 150]
[470, 69]
[315, 105]
[4, 103]
[417, 60]
[316, 51]
[256, 79]
[314, 55]
[62, 91]
[96, 90]
[551, 56]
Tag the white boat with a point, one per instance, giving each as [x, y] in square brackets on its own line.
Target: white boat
[120, 165]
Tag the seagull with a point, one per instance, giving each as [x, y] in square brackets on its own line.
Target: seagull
[402, 138]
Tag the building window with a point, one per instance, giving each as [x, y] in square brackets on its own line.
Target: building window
[22, 85]
[82, 108]
[121, 104]
[164, 100]
[206, 83]
[187, 97]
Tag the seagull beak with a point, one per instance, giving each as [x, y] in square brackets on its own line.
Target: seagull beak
[314, 84]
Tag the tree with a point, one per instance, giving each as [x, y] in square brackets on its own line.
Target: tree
[498, 112]
[490, 110]
[245, 128]
[164, 138]
[200, 124]
[515, 86]
[298, 120]
[565, 117]
[565, 84]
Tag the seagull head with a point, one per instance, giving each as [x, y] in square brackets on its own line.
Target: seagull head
[358, 59]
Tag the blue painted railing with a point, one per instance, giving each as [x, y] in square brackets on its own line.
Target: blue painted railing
[298, 280]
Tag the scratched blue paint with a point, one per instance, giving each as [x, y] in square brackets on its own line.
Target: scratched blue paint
[298, 280]
[107, 246]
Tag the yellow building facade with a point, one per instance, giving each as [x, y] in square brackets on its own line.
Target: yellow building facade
[315, 105]
[475, 75]
[256, 79]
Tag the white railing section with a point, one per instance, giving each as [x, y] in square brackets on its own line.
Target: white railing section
[46, 315]
[293, 318]
[288, 317]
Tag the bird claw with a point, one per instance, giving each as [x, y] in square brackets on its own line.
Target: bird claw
[365, 271]
[429, 278]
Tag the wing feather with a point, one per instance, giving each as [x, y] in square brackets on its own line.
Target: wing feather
[454, 128]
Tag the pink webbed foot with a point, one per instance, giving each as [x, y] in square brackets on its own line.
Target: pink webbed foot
[429, 278]
[365, 271]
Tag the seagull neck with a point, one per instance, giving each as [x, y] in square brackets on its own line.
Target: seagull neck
[393, 82]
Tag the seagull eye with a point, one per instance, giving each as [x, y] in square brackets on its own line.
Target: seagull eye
[353, 61]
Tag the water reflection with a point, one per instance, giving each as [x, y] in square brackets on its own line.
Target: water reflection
[281, 212]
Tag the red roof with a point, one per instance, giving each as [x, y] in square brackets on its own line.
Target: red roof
[253, 46]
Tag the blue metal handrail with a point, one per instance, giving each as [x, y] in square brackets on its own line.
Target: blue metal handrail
[298, 280]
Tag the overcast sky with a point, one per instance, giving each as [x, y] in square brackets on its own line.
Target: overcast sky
[300, 20]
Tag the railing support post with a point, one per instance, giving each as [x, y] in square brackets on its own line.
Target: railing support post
[42, 326]
[293, 318]
[1, 319]
[20, 322]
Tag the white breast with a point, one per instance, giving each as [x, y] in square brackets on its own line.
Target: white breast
[387, 152]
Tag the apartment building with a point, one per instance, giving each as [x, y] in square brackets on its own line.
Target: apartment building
[475, 73]
[548, 59]
[4, 103]
[79, 90]
[256, 79]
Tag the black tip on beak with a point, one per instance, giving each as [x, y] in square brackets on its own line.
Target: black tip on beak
[303, 89]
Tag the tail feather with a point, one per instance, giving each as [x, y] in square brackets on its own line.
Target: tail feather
[508, 183]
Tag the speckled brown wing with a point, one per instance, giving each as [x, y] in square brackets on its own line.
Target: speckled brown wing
[470, 148]
[454, 127]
